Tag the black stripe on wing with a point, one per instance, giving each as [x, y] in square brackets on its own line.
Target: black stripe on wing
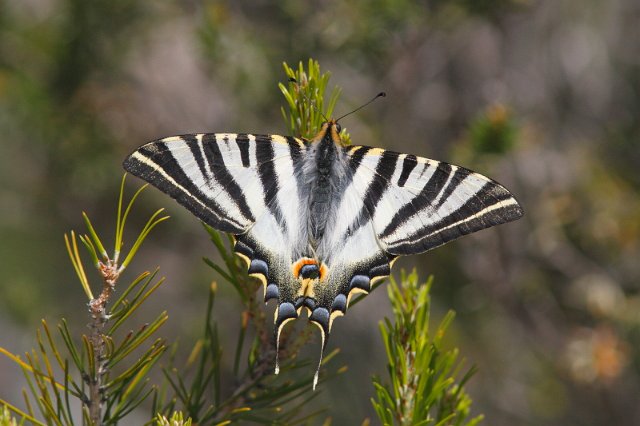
[356, 154]
[408, 164]
[242, 140]
[492, 205]
[430, 191]
[453, 183]
[221, 173]
[196, 151]
[155, 164]
[268, 176]
[381, 180]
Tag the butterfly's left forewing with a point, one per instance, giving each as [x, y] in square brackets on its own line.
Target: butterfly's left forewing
[239, 183]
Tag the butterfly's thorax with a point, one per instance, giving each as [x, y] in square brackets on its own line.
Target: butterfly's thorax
[324, 171]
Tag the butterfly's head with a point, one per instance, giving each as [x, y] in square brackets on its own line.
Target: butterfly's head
[329, 131]
[331, 128]
[334, 130]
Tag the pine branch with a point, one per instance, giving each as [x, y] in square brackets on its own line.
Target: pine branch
[304, 95]
[5, 417]
[425, 386]
[99, 318]
[257, 393]
[106, 396]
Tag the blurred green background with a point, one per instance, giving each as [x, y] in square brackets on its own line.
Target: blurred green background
[543, 96]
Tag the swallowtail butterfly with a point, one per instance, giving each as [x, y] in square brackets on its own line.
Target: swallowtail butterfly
[315, 220]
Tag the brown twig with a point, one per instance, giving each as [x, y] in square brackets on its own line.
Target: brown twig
[99, 318]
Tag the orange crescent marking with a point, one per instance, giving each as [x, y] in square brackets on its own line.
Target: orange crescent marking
[297, 265]
[323, 272]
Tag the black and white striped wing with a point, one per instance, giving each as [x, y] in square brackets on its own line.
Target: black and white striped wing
[398, 204]
[239, 183]
[226, 180]
[394, 204]
[417, 204]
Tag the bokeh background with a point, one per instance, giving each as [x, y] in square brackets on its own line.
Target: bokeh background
[543, 96]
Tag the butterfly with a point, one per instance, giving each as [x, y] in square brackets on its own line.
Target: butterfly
[318, 221]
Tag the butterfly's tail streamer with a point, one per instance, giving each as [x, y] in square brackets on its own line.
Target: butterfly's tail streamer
[286, 312]
[317, 373]
[320, 317]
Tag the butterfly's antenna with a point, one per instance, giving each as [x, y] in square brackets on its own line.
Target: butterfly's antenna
[308, 99]
[379, 95]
